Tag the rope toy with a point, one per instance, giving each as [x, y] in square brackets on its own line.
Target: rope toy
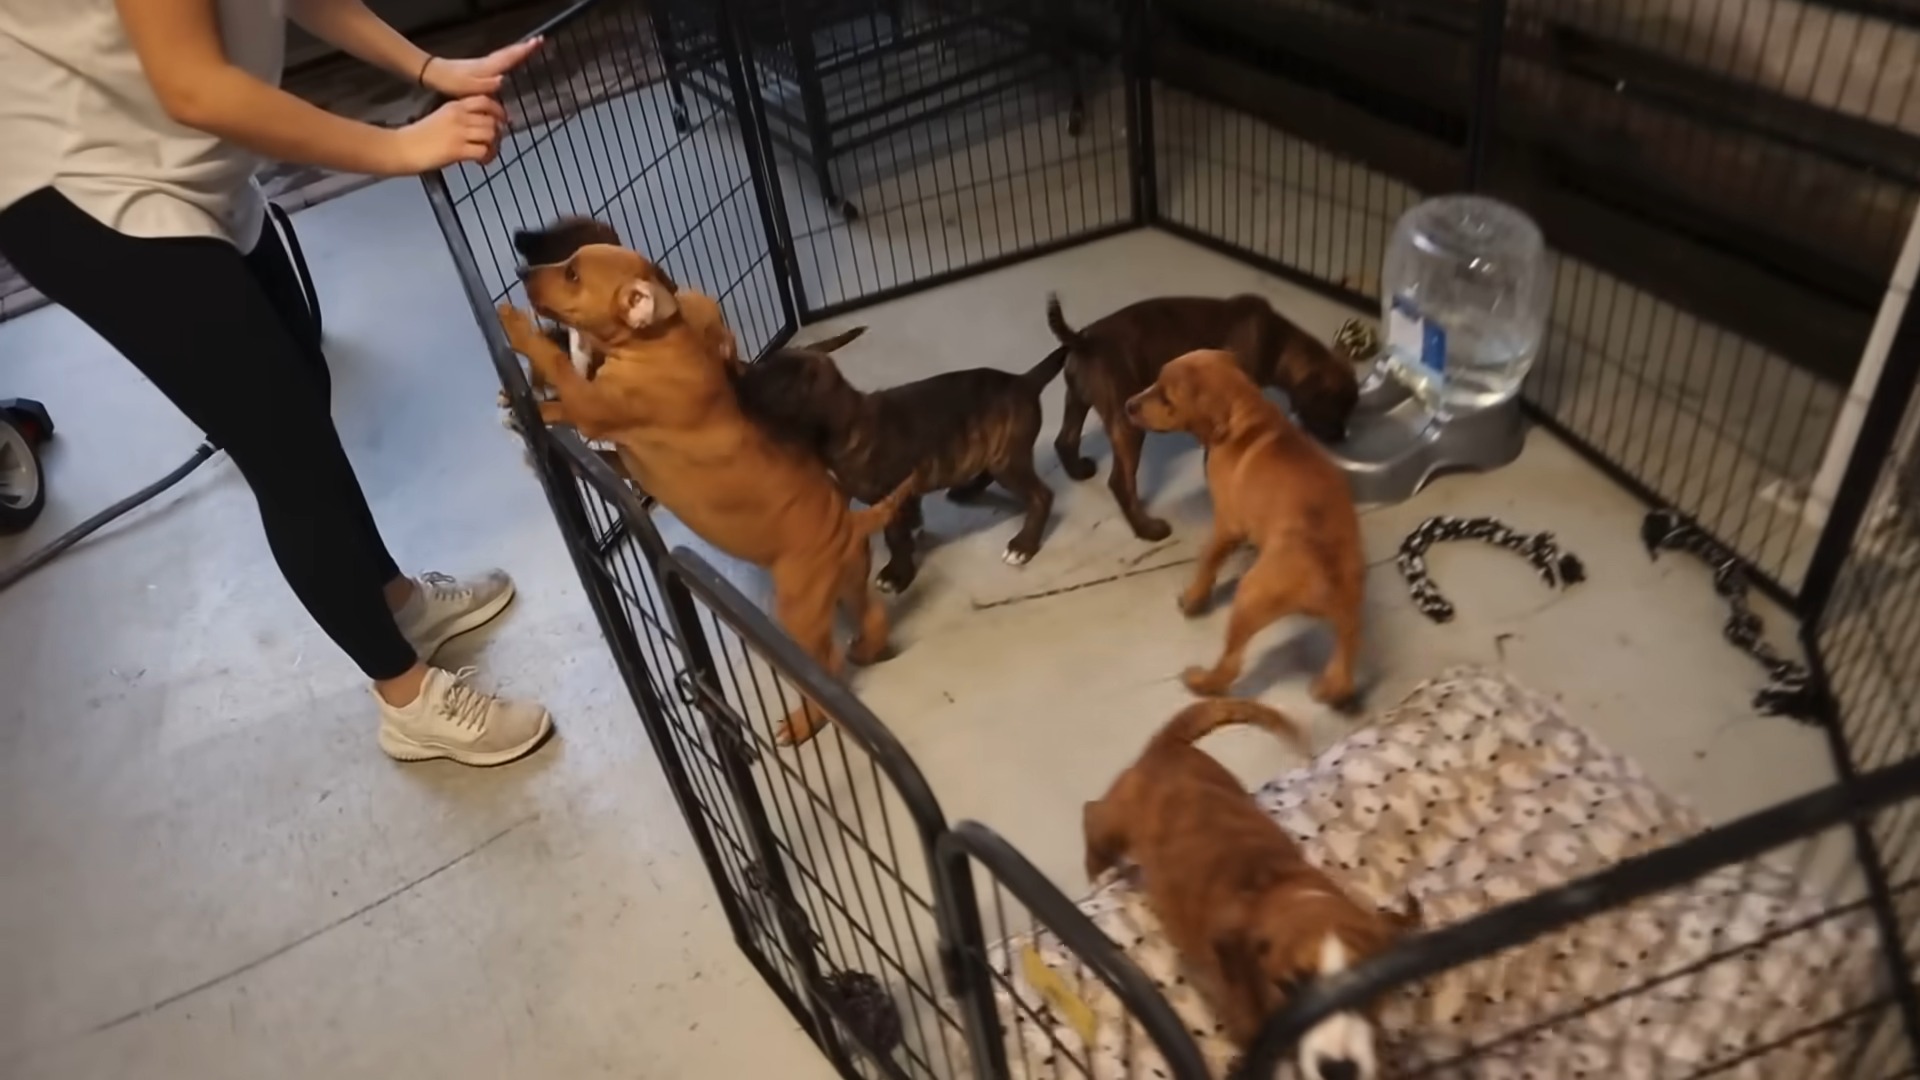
[1789, 691]
[1557, 568]
[1357, 341]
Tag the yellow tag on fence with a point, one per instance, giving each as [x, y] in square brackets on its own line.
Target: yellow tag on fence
[1059, 997]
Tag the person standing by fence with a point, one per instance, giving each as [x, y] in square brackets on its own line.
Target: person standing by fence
[131, 132]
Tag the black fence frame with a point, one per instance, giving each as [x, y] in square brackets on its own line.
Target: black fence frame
[681, 634]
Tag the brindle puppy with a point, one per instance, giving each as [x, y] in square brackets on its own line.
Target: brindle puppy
[1120, 355]
[961, 431]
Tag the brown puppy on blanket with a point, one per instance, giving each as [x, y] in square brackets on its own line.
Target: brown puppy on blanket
[1252, 918]
[1274, 488]
[959, 430]
[1120, 355]
[670, 407]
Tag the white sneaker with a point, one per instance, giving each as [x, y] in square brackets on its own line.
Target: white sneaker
[451, 719]
[445, 607]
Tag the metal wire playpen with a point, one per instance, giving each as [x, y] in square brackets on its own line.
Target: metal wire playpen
[1726, 184]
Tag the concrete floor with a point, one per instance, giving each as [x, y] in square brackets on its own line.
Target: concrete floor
[212, 872]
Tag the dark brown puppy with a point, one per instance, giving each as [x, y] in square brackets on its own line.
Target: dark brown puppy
[1120, 355]
[1274, 488]
[959, 430]
[1252, 918]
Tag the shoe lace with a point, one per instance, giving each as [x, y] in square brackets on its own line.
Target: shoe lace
[444, 586]
[464, 705]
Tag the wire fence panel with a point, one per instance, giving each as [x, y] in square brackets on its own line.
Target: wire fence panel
[1729, 206]
[1225, 176]
[1056, 998]
[916, 142]
[849, 829]
[649, 622]
[1726, 202]
[1869, 635]
[1868, 638]
[1698, 416]
[597, 135]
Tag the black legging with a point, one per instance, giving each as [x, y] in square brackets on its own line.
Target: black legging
[228, 339]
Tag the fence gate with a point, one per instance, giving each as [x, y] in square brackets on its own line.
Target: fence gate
[601, 133]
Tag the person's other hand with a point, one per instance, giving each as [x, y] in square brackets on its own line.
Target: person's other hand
[465, 130]
[479, 75]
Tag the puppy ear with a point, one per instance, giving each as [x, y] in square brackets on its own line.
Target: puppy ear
[642, 303]
[528, 243]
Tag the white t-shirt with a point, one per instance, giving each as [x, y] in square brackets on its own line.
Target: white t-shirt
[77, 114]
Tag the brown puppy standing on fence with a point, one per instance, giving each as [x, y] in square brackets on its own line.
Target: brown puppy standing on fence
[1252, 918]
[959, 430]
[554, 244]
[1118, 356]
[672, 409]
[1274, 488]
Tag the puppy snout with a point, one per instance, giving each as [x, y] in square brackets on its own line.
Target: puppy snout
[1133, 408]
[1337, 1069]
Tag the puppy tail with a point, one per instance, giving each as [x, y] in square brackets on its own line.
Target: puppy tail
[876, 517]
[1057, 322]
[1194, 722]
[1042, 373]
[835, 342]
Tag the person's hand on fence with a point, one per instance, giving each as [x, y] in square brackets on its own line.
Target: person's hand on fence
[468, 129]
[480, 75]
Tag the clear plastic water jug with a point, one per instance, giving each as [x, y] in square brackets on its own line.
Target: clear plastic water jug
[1464, 301]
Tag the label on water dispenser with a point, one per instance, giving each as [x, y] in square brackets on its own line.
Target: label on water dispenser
[1413, 336]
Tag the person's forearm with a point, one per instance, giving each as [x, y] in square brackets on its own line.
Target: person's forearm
[351, 26]
[233, 105]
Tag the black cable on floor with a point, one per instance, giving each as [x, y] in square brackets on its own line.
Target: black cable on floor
[13, 574]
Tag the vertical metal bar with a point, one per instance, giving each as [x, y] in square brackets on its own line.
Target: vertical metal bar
[660, 16]
[813, 99]
[1143, 162]
[965, 957]
[1879, 430]
[1489, 41]
[765, 179]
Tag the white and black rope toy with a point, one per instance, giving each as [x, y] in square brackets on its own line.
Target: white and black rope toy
[1557, 568]
[1789, 691]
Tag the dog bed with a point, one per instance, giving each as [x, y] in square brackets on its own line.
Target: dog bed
[1471, 793]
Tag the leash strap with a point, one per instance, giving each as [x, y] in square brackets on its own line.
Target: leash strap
[1789, 691]
[1557, 568]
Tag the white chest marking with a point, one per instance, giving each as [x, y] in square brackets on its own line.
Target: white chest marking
[582, 356]
[1341, 1039]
